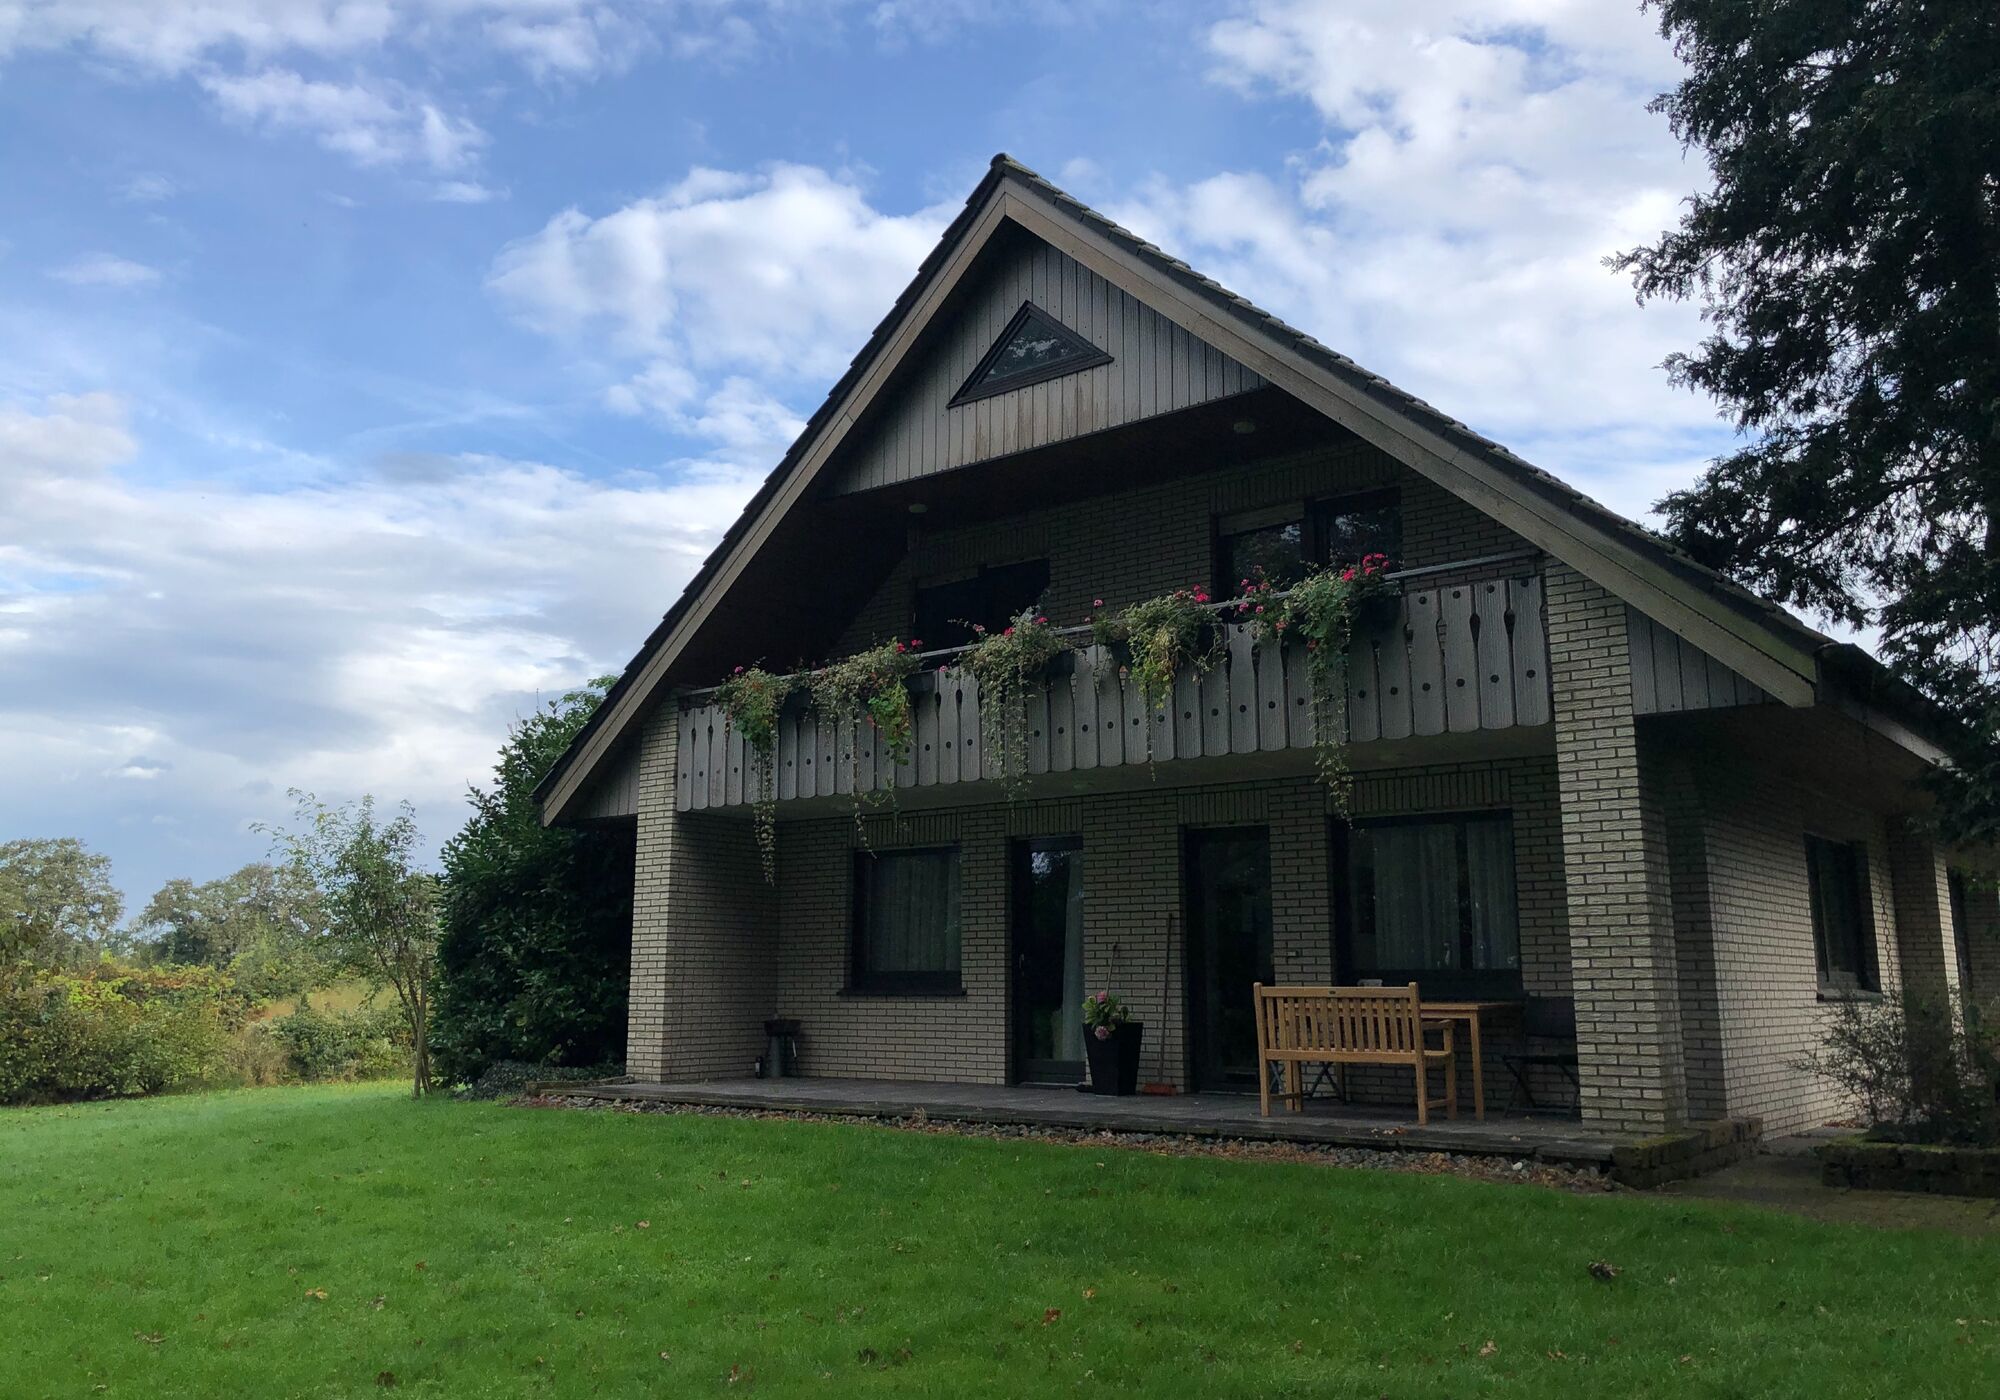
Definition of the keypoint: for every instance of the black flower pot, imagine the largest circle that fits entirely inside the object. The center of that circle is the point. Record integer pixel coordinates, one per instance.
(1114, 1061)
(1377, 613)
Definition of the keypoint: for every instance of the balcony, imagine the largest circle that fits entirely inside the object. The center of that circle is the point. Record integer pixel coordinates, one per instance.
(1466, 650)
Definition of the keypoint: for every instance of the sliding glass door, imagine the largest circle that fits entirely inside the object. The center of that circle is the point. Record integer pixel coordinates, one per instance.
(1228, 887)
(1048, 961)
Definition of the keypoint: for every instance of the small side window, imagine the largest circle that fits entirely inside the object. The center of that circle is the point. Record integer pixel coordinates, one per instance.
(1843, 929)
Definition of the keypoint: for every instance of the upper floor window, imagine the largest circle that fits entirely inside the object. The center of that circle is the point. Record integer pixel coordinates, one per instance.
(946, 612)
(1034, 347)
(906, 928)
(1285, 542)
(1432, 900)
(1843, 930)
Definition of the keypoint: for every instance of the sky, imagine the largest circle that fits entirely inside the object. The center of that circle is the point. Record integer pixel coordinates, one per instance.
(373, 370)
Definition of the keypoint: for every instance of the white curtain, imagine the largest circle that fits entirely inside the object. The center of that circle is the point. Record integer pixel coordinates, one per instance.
(913, 912)
(1416, 895)
(1489, 871)
(1069, 1024)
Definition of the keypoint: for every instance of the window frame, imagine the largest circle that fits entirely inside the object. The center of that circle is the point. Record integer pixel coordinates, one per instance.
(1438, 984)
(982, 581)
(1082, 355)
(861, 981)
(1866, 979)
(1310, 516)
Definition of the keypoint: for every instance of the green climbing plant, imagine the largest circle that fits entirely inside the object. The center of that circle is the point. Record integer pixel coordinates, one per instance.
(753, 698)
(1007, 664)
(871, 687)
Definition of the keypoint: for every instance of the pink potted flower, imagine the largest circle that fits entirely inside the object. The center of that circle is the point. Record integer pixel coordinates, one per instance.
(1112, 1045)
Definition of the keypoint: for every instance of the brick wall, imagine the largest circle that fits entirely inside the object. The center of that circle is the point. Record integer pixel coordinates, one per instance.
(1138, 544)
(1614, 825)
(1767, 999)
(1926, 943)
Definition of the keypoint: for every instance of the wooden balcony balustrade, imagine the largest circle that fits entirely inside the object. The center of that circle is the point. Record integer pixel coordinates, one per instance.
(1466, 650)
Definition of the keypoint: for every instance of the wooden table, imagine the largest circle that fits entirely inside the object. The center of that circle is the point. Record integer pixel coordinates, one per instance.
(1471, 1012)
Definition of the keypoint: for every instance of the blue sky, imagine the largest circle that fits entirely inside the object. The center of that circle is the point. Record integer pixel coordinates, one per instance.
(369, 369)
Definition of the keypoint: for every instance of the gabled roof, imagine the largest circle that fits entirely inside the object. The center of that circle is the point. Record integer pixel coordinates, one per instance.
(1756, 638)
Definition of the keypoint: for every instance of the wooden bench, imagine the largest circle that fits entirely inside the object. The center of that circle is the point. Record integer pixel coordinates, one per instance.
(1350, 1026)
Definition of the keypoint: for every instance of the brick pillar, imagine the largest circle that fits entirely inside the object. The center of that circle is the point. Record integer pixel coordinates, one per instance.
(704, 932)
(1621, 928)
(1926, 944)
(646, 1020)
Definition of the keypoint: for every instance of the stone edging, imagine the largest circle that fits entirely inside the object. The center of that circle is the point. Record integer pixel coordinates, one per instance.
(1896, 1166)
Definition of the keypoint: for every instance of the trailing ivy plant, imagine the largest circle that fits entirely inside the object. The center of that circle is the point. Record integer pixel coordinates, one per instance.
(753, 698)
(1164, 635)
(871, 685)
(1319, 612)
(1007, 664)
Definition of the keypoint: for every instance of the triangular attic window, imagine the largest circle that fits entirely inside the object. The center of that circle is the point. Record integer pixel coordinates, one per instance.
(1034, 347)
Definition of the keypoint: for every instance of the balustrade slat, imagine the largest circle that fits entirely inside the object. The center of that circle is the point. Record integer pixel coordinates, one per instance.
(1496, 655)
(1531, 652)
(1461, 660)
(1242, 661)
(1083, 752)
(1426, 665)
(1062, 723)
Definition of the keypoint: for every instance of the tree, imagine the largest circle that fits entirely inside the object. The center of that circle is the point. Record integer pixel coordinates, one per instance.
(58, 907)
(377, 911)
(1848, 254)
(255, 924)
(537, 920)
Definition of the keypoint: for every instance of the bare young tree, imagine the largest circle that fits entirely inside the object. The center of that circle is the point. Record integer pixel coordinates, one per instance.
(375, 909)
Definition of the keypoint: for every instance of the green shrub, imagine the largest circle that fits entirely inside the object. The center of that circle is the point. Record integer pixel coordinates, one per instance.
(1920, 1070)
(112, 1031)
(366, 1043)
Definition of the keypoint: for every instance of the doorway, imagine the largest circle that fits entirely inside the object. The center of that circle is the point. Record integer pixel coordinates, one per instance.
(1048, 961)
(1228, 875)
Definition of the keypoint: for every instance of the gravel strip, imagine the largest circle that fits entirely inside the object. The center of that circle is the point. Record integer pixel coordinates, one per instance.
(1579, 1180)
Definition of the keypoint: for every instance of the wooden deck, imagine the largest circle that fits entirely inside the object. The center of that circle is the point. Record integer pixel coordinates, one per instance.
(1466, 652)
(1555, 1141)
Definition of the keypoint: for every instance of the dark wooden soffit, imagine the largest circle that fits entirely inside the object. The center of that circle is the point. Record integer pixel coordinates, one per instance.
(1757, 639)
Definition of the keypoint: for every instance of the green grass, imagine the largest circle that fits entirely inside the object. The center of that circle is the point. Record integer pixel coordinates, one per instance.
(180, 1247)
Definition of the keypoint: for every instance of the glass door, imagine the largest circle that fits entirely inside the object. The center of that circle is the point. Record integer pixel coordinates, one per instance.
(1228, 874)
(1048, 961)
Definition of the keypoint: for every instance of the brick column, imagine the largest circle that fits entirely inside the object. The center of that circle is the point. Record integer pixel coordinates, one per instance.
(1982, 943)
(1926, 944)
(646, 1018)
(1621, 928)
(704, 932)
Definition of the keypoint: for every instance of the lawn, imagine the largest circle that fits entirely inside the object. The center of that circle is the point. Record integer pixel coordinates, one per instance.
(333, 1240)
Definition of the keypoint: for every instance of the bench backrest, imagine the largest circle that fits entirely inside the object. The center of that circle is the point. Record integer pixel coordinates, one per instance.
(1352, 1023)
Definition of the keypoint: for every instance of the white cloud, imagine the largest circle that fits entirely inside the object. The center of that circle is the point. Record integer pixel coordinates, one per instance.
(783, 271)
(196, 647)
(1480, 158)
(369, 124)
(465, 192)
(104, 270)
(149, 189)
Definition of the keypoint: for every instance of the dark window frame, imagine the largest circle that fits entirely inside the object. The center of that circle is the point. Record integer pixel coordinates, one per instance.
(1865, 979)
(1079, 356)
(982, 581)
(1311, 516)
(1466, 983)
(862, 981)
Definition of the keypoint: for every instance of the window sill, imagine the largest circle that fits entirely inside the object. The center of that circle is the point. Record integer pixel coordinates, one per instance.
(1853, 994)
(899, 994)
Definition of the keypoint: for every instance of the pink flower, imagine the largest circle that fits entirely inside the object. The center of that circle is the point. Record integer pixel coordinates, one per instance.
(1103, 1032)
(737, 672)
(915, 643)
(1103, 997)
(1041, 622)
(900, 648)
(1260, 610)
(1097, 602)
(1347, 575)
(1008, 632)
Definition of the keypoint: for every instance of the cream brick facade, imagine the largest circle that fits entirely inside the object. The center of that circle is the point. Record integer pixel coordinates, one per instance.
(1660, 883)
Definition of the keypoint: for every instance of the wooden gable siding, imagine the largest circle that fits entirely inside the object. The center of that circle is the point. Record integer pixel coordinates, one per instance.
(615, 791)
(1671, 674)
(1156, 367)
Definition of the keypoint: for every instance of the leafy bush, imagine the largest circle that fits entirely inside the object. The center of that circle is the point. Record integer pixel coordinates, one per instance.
(537, 920)
(1920, 1070)
(112, 1030)
(507, 1078)
(367, 1043)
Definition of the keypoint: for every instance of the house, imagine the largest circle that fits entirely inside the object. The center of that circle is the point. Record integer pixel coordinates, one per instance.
(1583, 766)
